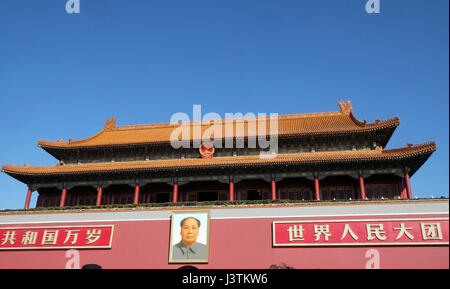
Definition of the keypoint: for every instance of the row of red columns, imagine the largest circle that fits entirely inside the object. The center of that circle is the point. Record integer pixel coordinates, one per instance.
(406, 195)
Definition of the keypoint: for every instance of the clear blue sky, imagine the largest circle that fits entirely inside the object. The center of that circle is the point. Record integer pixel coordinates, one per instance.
(62, 75)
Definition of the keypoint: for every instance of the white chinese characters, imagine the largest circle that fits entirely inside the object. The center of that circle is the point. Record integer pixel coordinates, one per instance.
(56, 237)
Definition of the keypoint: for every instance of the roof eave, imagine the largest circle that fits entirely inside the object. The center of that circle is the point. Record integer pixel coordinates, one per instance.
(422, 150)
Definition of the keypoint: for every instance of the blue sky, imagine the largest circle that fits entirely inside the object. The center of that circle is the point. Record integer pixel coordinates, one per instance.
(62, 75)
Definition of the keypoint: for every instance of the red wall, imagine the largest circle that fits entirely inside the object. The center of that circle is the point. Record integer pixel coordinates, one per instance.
(234, 243)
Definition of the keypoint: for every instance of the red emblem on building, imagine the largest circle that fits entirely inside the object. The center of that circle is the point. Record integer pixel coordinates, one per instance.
(207, 150)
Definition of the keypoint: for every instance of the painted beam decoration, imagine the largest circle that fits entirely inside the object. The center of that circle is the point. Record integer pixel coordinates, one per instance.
(361, 232)
(56, 237)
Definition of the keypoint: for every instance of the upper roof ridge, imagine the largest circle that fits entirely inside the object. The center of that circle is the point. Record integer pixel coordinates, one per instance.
(222, 120)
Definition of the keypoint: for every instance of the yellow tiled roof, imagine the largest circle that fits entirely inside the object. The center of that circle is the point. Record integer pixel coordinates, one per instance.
(342, 121)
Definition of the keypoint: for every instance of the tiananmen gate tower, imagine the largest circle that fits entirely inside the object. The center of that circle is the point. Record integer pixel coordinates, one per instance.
(331, 193)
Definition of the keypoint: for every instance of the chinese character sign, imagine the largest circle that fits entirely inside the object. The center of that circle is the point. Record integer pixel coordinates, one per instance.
(362, 232)
(57, 237)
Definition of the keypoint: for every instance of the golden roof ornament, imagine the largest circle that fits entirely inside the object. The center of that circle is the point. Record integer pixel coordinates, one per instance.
(109, 124)
(346, 107)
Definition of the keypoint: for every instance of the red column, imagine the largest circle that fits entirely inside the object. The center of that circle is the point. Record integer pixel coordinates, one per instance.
(27, 201)
(175, 193)
(231, 190)
(403, 194)
(408, 186)
(274, 190)
(136, 195)
(63, 197)
(316, 188)
(362, 188)
(99, 196)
